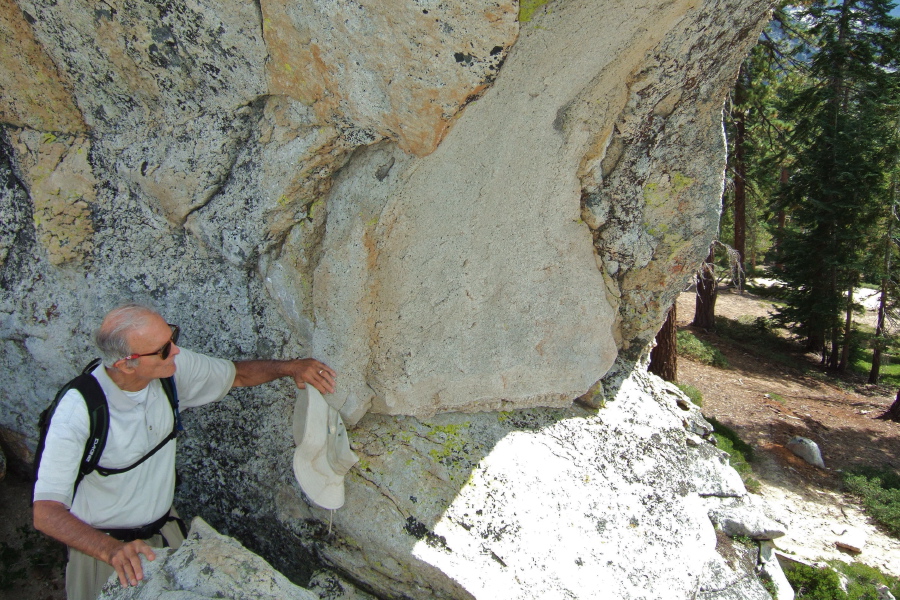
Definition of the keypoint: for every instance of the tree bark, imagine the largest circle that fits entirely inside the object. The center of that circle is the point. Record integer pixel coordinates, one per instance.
(875, 371)
(893, 413)
(664, 357)
(740, 168)
(782, 221)
(707, 290)
(848, 326)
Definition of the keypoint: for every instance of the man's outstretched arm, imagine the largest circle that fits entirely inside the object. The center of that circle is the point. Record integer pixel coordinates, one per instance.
(54, 519)
(303, 370)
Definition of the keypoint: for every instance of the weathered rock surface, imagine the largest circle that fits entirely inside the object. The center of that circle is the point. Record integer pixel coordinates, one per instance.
(496, 257)
(745, 517)
(806, 449)
(459, 211)
(530, 503)
(771, 567)
(210, 565)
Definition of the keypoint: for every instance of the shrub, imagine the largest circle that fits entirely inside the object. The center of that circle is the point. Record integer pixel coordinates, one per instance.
(824, 583)
(759, 335)
(687, 344)
(691, 392)
(815, 583)
(863, 580)
(879, 490)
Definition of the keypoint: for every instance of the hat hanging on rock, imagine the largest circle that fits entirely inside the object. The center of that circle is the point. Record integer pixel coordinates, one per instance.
(323, 455)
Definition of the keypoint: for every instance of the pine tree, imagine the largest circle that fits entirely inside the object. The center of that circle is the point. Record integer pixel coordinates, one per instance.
(842, 149)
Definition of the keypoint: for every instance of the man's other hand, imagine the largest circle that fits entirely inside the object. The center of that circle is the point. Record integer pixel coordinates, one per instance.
(126, 560)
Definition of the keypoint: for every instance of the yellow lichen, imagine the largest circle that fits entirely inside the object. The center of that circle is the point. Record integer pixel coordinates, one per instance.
(527, 8)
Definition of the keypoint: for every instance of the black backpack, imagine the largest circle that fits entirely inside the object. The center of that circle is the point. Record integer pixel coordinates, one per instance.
(98, 415)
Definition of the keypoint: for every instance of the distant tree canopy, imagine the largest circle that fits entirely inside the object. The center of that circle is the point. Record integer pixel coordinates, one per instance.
(812, 126)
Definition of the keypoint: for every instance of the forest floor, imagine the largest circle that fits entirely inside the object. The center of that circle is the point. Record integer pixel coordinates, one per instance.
(767, 400)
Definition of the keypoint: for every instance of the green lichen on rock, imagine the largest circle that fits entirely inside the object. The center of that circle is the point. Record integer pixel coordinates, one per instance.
(453, 446)
(527, 9)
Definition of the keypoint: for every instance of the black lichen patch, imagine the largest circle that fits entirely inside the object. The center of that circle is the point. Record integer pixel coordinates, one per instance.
(418, 530)
(463, 58)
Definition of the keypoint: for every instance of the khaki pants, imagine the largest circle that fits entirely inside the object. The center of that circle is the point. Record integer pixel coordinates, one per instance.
(85, 575)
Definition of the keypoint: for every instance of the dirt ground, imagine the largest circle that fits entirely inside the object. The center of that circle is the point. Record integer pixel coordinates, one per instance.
(32, 566)
(764, 401)
(767, 403)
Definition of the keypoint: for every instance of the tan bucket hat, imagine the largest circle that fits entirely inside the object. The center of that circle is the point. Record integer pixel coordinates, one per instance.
(323, 455)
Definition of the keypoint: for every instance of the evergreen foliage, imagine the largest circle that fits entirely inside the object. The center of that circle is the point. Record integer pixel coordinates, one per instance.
(840, 149)
(880, 493)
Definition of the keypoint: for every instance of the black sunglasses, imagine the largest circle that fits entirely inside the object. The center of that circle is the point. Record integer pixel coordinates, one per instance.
(166, 349)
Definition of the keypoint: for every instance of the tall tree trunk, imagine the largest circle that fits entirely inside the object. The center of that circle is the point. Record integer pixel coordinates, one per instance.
(875, 371)
(838, 102)
(848, 326)
(782, 221)
(664, 356)
(707, 290)
(739, 165)
(893, 413)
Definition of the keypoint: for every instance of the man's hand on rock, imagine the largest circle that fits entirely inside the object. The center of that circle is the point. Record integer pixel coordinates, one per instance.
(126, 560)
(312, 371)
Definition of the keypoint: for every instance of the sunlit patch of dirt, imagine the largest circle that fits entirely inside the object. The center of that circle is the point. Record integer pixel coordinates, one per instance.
(767, 401)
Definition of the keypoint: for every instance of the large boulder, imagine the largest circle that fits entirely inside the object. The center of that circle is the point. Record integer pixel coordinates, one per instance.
(469, 209)
(210, 565)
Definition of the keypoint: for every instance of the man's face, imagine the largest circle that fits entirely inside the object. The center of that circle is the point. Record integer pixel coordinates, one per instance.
(150, 339)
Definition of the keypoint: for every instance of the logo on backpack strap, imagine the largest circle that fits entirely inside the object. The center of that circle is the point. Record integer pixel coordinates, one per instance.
(93, 448)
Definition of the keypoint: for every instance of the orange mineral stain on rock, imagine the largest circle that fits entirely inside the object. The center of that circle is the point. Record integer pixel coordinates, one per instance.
(35, 94)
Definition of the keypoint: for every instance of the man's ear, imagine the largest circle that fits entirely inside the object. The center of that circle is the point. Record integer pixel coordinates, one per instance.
(121, 365)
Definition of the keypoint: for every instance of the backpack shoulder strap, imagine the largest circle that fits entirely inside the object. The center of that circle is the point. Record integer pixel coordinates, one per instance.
(98, 421)
(168, 385)
(98, 417)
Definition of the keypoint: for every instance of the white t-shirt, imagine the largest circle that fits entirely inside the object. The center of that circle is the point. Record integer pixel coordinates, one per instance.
(138, 422)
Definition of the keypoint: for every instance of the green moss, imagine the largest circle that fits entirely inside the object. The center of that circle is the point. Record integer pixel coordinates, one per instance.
(527, 9)
(691, 392)
(687, 344)
(739, 452)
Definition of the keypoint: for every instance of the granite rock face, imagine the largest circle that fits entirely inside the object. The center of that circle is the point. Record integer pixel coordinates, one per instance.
(457, 210)
(531, 503)
(468, 210)
(210, 565)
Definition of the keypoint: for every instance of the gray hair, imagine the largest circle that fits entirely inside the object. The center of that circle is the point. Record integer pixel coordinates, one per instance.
(111, 337)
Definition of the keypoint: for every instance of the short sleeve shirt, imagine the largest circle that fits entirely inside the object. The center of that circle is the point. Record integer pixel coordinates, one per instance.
(138, 422)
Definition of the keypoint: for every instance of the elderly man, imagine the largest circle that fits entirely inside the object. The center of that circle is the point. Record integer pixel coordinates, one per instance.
(100, 518)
